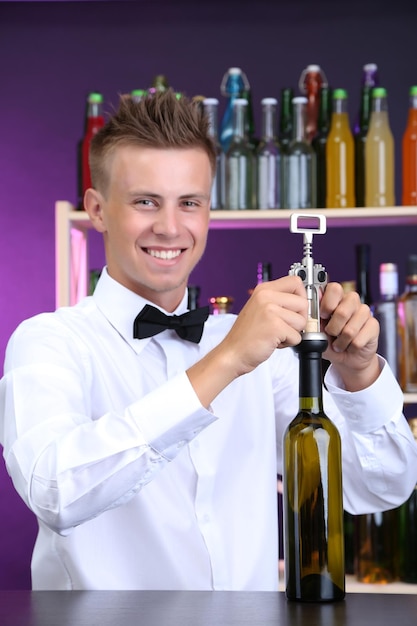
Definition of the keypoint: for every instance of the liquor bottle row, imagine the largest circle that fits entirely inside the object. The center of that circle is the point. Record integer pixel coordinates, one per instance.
(396, 314)
(310, 157)
(382, 547)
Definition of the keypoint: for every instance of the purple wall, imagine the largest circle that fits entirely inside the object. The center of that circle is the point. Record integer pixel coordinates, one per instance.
(53, 53)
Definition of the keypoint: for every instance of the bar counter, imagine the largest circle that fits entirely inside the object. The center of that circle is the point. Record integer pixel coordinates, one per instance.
(199, 608)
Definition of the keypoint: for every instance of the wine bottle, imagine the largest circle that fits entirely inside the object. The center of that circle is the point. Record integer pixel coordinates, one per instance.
(319, 144)
(313, 500)
(363, 272)
(385, 311)
(407, 329)
(285, 131)
(360, 142)
(210, 106)
(268, 160)
(408, 530)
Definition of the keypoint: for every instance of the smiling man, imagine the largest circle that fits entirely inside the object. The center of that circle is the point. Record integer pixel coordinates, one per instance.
(147, 446)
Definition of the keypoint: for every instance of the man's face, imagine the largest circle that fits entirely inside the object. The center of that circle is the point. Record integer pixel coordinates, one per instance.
(154, 219)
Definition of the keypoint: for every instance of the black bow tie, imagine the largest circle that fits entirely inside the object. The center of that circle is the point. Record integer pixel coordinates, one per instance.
(152, 321)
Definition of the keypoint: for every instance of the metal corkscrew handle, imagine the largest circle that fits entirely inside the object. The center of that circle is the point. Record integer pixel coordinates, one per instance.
(313, 275)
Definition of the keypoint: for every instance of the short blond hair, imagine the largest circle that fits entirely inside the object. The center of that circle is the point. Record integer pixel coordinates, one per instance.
(160, 120)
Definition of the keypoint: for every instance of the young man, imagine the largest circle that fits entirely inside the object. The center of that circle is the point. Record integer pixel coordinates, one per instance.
(150, 461)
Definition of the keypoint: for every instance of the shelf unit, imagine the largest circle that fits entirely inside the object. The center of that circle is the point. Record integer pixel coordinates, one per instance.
(72, 226)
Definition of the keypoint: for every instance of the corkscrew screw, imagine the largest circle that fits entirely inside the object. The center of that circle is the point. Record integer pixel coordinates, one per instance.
(313, 275)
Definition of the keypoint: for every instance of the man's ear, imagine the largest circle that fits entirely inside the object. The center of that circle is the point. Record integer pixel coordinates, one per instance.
(93, 204)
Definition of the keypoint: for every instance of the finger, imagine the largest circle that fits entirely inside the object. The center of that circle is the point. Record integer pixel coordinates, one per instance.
(332, 296)
(361, 330)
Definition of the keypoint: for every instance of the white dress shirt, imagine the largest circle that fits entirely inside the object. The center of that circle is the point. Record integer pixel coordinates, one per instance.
(135, 484)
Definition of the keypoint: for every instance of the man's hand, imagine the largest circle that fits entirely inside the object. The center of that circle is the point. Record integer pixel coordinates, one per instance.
(352, 334)
(273, 317)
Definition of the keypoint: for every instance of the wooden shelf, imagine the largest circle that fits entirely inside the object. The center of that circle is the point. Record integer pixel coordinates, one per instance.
(280, 218)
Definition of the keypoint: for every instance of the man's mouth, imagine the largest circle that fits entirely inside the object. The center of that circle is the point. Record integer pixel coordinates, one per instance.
(164, 254)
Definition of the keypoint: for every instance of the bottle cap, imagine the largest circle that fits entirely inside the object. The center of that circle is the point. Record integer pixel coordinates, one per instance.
(209, 101)
(413, 90)
(138, 93)
(388, 279)
(313, 67)
(269, 101)
(299, 100)
(95, 97)
(240, 102)
(370, 67)
(340, 94)
(379, 92)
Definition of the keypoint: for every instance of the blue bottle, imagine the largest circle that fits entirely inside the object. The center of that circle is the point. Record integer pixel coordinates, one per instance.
(233, 85)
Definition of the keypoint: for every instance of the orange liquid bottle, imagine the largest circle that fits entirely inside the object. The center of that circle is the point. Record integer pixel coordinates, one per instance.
(409, 153)
(340, 158)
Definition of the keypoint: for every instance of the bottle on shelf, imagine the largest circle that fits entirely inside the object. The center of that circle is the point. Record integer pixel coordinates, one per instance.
(408, 530)
(407, 329)
(312, 497)
(370, 79)
(239, 162)
(210, 106)
(319, 142)
(340, 182)
(250, 119)
(311, 79)
(233, 84)
(385, 311)
(379, 154)
(409, 153)
(193, 301)
(360, 142)
(377, 547)
(299, 164)
(159, 83)
(285, 132)
(268, 159)
(221, 305)
(363, 272)
(138, 94)
(93, 122)
(263, 274)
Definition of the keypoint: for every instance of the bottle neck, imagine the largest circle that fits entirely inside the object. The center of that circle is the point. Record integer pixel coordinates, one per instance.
(379, 105)
(365, 109)
(363, 273)
(310, 352)
(324, 111)
(211, 113)
(239, 121)
(299, 116)
(285, 120)
(268, 122)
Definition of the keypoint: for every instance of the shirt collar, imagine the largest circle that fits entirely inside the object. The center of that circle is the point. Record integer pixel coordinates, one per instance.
(120, 306)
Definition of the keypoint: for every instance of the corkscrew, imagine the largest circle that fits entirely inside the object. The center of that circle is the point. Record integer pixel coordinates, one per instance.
(313, 275)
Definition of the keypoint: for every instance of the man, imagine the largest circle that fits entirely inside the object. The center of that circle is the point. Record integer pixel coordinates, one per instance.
(151, 461)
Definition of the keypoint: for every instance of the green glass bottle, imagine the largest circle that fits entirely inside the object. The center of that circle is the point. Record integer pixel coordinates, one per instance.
(312, 499)
(285, 132)
(319, 144)
(359, 141)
